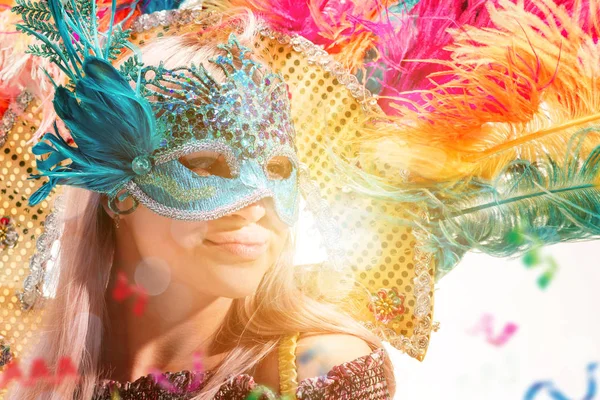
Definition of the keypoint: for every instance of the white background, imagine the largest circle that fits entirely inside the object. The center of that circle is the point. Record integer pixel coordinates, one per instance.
(558, 330)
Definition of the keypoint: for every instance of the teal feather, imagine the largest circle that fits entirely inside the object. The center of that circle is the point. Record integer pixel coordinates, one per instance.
(544, 203)
(111, 125)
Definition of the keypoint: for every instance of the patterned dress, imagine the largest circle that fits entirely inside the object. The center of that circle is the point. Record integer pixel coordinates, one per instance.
(359, 379)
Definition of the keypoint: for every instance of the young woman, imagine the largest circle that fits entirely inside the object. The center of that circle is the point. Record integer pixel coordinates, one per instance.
(188, 174)
(209, 232)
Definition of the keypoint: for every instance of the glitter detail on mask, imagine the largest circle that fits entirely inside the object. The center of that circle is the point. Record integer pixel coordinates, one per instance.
(194, 146)
(141, 165)
(175, 190)
(250, 110)
(245, 117)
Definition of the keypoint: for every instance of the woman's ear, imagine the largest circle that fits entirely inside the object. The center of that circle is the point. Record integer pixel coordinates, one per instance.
(107, 209)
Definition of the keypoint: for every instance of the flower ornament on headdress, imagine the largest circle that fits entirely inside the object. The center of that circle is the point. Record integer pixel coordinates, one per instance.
(387, 304)
(131, 139)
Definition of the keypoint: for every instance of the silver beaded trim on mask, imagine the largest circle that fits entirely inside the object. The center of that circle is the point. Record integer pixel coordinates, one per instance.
(10, 116)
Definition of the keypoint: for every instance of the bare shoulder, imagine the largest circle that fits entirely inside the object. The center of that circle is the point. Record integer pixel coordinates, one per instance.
(317, 354)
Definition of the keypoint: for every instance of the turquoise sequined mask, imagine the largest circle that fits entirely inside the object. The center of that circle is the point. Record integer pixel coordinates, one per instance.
(246, 119)
(133, 142)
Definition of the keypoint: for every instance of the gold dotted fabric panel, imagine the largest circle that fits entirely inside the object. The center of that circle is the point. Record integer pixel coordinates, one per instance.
(16, 163)
(380, 253)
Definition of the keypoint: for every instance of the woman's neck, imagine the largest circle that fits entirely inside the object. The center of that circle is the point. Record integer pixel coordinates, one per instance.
(173, 326)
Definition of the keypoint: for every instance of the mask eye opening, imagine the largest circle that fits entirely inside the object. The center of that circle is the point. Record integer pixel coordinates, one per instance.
(207, 163)
(279, 167)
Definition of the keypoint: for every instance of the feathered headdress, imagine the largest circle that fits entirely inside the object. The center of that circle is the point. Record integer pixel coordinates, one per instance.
(22, 75)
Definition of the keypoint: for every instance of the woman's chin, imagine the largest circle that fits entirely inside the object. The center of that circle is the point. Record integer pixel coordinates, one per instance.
(237, 290)
(233, 280)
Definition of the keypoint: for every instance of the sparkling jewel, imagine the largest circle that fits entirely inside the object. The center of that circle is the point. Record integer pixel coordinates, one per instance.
(8, 234)
(141, 165)
(5, 354)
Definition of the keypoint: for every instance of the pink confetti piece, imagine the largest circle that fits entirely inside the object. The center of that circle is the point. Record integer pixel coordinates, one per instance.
(486, 325)
(39, 373)
(123, 290)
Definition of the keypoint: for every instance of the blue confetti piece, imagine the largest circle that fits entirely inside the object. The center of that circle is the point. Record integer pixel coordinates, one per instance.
(538, 387)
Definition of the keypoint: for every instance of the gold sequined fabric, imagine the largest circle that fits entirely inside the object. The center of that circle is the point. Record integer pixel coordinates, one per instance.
(17, 326)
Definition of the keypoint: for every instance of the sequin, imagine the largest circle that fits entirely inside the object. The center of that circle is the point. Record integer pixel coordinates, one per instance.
(196, 112)
(5, 353)
(8, 234)
(238, 109)
(10, 115)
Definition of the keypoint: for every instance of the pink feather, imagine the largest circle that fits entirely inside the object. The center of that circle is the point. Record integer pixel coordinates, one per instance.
(413, 46)
(20, 71)
(326, 22)
(407, 41)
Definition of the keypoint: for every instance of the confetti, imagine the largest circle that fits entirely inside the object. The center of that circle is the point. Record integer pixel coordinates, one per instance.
(486, 326)
(547, 386)
(123, 290)
(39, 373)
(533, 257)
(163, 382)
(260, 390)
(314, 353)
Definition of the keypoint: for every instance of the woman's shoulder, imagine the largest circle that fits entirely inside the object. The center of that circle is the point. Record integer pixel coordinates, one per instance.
(316, 355)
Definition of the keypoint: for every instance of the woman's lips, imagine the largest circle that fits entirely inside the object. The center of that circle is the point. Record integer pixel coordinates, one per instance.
(248, 242)
(248, 251)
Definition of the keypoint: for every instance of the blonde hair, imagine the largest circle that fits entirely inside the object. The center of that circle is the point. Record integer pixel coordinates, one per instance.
(253, 326)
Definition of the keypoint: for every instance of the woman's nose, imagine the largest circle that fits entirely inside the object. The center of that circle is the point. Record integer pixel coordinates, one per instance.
(252, 213)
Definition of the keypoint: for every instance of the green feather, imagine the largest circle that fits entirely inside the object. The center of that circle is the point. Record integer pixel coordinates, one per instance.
(527, 205)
